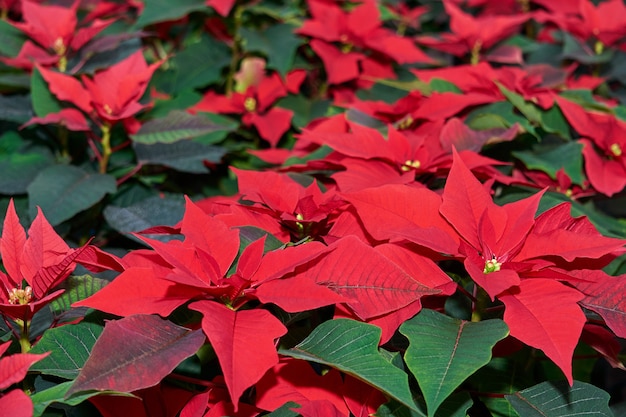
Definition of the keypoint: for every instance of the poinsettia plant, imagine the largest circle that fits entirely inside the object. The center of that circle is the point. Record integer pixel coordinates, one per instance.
(316, 208)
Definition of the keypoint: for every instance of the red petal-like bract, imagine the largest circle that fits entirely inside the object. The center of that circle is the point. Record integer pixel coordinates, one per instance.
(137, 290)
(607, 297)
(163, 400)
(297, 381)
(136, 352)
(12, 245)
(243, 342)
(16, 403)
(374, 284)
(545, 314)
(13, 368)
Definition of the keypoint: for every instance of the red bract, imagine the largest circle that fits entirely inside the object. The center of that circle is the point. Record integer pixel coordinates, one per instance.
(13, 369)
(34, 265)
(474, 35)
(356, 32)
(54, 32)
(604, 140)
(111, 95)
(503, 245)
(604, 24)
(198, 269)
(254, 102)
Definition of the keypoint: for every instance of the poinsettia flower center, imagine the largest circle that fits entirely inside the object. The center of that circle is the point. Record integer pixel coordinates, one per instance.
(107, 109)
(410, 164)
(475, 54)
(405, 123)
(492, 265)
(616, 150)
(249, 104)
(20, 296)
(59, 46)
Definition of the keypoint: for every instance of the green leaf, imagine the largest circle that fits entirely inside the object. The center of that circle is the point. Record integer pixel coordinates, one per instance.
(185, 156)
(153, 211)
(56, 395)
(502, 376)
(198, 65)
(558, 399)
(500, 114)
(76, 288)
(277, 42)
(304, 108)
(573, 49)
(553, 121)
(285, 410)
(65, 190)
(551, 158)
(528, 109)
(11, 39)
(44, 101)
(20, 163)
(70, 346)
(443, 86)
(454, 349)
(156, 11)
(15, 108)
(177, 125)
(352, 347)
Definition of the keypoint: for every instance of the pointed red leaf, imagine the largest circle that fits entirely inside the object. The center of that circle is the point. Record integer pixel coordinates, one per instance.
(545, 314)
(50, 276)
(319, 408)
(12, 245)
(97, 260)
(362, 399)
(16, 403)
(296, 380)
(137, 290)
(464, 201)
(272, 124)
(210, 235)
(243, 342)
(13, 368)
(607, 297)
(420, 223)
(557, 233)
(374, 284)
(67, 88)
(70, 118)
(43, 248)
(135, 352)
(297, 294)
(605, 343)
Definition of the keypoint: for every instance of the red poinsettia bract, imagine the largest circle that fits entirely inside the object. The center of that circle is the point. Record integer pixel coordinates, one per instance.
(13, 368)
(254, 100)
(523, 261)
(54, 32)
(34, 265)
(356, 32)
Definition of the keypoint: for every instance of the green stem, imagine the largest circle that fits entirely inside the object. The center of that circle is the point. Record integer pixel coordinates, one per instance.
(478, 307)
(106, 147)
(63, 141)
(236, 50)
(24, 339)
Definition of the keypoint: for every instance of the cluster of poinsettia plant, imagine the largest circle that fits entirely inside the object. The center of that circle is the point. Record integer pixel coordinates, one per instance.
(317, 208)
